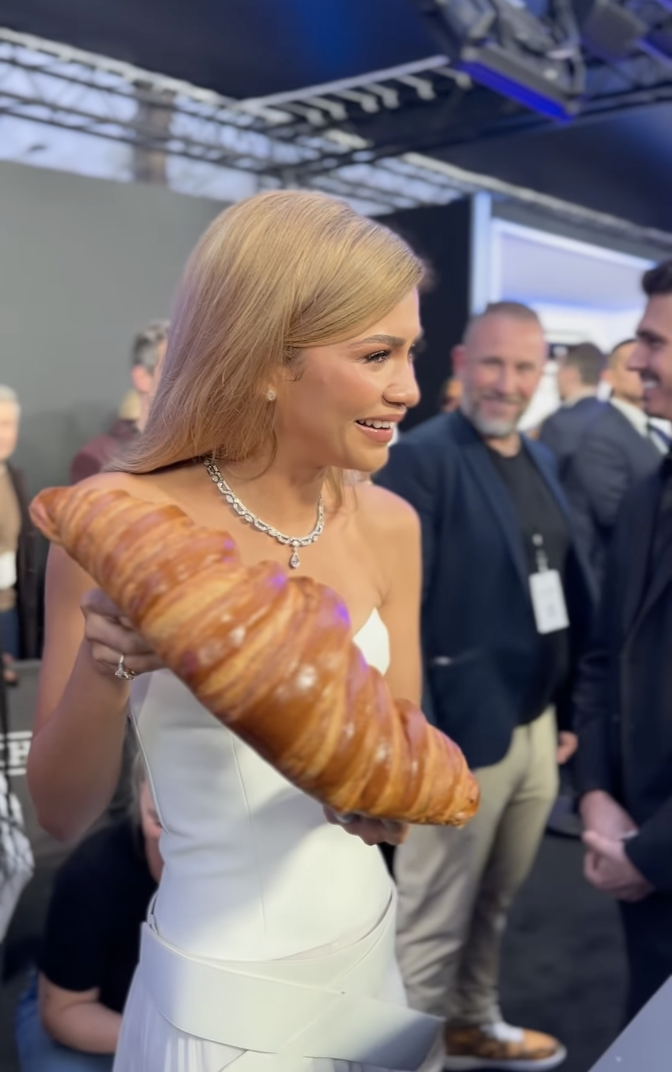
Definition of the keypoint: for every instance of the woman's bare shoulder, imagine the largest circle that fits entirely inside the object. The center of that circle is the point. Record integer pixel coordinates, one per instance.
(384, 512)
(148, 487)
(390, 527)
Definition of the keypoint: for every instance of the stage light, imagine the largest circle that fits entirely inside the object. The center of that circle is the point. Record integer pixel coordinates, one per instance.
(608, 29)
(535, 60)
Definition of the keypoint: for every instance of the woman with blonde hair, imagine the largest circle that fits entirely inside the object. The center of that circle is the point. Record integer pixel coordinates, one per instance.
(290, 361)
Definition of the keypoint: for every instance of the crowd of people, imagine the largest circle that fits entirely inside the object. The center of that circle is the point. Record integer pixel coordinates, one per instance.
(147, 354)
(530, 621)
(69, 1016)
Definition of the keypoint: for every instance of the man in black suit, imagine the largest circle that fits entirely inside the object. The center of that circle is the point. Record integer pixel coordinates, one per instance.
(617, 449)
(624, 694)
(579, 375)
(495, 530)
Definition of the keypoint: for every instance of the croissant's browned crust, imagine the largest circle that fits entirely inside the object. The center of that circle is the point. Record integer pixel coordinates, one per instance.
(270, 656)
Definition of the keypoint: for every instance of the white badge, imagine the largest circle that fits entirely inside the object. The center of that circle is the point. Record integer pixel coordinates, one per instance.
(548, 601)
(7, 569)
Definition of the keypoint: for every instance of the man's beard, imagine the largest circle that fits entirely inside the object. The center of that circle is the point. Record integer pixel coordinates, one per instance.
(489, 428)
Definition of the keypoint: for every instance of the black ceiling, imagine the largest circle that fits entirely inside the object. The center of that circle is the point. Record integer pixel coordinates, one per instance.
(619, 163)
(241, 48)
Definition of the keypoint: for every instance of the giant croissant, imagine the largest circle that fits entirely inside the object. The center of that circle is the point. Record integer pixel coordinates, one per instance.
(269, 656)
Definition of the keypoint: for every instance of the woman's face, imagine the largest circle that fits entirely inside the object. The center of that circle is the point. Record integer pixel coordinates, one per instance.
(332, 414)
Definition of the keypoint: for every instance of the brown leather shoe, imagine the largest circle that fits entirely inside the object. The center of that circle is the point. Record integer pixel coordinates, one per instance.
(500, 1046)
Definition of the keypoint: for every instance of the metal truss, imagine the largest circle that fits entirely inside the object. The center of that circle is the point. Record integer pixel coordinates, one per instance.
(63, 87)
(364, 138)
(437, 107)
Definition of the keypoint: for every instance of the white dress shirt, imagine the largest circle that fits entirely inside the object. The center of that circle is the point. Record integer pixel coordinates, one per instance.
(640, 422)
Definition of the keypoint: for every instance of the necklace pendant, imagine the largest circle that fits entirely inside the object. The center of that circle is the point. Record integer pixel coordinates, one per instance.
(293, 542)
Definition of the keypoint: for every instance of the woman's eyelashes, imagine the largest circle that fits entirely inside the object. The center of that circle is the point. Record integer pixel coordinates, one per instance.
(378, 358)
(381, 356)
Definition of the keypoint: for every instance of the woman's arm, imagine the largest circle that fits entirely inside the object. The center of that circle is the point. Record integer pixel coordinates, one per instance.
(392, 527)
(75, 755)
(78, 1020)
(400, 609)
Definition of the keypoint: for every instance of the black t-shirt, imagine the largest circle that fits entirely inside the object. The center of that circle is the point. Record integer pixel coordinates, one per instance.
(98, 905)
(538, 515)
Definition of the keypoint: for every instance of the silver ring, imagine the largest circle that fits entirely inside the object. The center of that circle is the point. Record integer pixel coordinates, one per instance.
(122, 672)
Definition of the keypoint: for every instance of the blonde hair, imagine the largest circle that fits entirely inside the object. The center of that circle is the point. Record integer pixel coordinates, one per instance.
(272, 275)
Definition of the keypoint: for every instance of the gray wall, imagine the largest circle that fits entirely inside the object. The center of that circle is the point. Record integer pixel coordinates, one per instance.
(83, 264)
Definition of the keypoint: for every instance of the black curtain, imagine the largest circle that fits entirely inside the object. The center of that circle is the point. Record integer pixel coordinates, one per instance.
(442, 235)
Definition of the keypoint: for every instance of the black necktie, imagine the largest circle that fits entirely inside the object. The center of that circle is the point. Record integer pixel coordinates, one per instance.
(663, 530)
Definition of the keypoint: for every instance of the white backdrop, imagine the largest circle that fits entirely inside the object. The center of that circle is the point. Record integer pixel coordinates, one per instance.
(582, 293)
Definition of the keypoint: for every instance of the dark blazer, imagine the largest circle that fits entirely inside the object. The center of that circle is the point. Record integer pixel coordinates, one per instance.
(563, 430)
(623, 698)
(477, 621)
(610, 458)
(26, 572)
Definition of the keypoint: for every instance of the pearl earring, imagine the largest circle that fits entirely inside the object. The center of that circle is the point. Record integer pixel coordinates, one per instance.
(270, 395)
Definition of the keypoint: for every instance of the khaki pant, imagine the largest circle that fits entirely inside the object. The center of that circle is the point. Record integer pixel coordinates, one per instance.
(456, 886)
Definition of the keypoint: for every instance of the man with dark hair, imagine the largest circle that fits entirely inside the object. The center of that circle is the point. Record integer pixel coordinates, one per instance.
(498, 654)
(147, 354)
(616, 449)
(622, 701)
(579, 374)
(580, 370)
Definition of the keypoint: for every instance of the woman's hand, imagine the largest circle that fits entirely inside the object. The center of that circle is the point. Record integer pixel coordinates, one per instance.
(371, 831)
(110, 635)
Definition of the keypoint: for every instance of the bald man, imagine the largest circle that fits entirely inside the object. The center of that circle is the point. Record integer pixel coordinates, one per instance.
(495, 531)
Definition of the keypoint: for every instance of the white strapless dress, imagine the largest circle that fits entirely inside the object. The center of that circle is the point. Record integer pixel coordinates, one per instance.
(271, 939)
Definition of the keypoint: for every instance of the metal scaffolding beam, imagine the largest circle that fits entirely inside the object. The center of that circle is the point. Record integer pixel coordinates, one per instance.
(65, 88)
(362, 138)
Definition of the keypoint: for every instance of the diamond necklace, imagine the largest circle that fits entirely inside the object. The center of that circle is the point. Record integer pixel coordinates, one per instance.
(289, 541)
